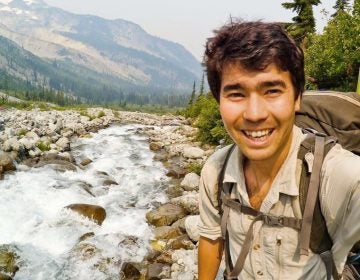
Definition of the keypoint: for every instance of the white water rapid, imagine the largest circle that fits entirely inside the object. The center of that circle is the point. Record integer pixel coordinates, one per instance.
(45, 236)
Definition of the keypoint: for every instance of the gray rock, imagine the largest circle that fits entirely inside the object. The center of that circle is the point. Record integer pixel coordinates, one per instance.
(63, 143)
(165, 215)
(193, 152)
(189, 201)
(191, 226)
(190, 182)
(157, 271)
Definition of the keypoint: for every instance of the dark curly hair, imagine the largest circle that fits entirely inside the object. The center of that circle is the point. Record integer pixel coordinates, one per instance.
(254, 45)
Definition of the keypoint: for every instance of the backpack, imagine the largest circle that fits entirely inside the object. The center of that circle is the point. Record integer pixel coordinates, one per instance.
(319, 112)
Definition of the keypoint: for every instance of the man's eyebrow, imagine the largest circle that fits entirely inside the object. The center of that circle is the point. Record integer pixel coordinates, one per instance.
(274, 83)
(230, 87)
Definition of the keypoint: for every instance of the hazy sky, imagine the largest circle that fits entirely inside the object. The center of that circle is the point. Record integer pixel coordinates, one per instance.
(188, 22)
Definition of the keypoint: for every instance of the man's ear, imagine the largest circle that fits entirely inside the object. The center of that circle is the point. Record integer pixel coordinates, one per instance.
(297, 103)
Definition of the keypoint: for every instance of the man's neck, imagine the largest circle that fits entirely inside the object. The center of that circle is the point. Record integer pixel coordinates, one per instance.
(259, 175)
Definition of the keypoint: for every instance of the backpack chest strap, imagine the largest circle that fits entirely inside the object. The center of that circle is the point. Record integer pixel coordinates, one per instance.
(231, 271)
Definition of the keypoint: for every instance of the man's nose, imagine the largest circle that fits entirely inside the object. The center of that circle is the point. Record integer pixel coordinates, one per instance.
(256, 109)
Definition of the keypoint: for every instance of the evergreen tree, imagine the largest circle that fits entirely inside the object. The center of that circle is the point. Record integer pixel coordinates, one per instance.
(304, 23)
(192, 97)
(202, 85)
(341, 5)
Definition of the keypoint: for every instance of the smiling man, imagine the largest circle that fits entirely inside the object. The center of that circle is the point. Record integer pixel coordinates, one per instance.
(256, 73)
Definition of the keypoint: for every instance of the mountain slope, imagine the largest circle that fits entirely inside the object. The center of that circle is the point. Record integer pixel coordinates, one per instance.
(114, 53)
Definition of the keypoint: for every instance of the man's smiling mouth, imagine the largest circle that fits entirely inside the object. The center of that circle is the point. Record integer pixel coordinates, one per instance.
(258, 135)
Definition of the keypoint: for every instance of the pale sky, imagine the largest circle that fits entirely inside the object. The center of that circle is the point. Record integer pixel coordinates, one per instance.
(188, 22)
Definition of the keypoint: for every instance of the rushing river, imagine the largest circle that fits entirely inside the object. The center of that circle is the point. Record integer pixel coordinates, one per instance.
(46, 236)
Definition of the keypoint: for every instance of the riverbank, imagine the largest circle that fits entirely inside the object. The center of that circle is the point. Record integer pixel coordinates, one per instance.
(35, 137)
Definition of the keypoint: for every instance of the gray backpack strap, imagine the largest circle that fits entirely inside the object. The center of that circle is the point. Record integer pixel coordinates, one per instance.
(312, 195)
(311, 199)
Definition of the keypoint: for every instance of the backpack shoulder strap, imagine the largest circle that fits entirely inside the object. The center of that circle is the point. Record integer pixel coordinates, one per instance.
(314, 233)
(221, 178)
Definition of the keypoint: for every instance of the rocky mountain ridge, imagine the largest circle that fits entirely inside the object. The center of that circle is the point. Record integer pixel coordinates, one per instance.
(118, 49)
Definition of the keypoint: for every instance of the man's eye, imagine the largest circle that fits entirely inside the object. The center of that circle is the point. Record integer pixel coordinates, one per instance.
(273, 91)
(235, 95)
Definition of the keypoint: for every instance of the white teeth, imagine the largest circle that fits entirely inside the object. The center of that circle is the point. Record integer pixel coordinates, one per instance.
(257, 134)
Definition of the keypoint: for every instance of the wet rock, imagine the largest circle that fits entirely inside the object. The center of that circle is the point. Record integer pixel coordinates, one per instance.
(129, 272)
(156, 271)
(86, 161)
(93, 212)
(59, 165)
(155, 146)
(191, 227)
(86, 236)
(6, 162)
(190, 182)
(5, 277)
(109, 182)
(165, 215)
(166, 232)
(193, 152)
(8, 260)
(86, 187)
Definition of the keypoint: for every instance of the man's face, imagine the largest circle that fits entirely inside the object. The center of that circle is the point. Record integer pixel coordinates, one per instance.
(258, 110)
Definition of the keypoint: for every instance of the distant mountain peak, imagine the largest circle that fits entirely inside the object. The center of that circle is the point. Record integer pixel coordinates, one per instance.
(27, 2)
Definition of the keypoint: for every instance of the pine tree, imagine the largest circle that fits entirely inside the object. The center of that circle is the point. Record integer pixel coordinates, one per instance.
(304, 23)
(341, 5)
(192, 97)
(202, 85)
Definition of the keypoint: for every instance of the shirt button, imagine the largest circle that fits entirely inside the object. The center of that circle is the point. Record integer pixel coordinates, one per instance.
(260, 273)
(256, 247)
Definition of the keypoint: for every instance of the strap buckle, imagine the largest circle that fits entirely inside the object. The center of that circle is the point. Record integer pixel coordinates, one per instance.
(273, 220)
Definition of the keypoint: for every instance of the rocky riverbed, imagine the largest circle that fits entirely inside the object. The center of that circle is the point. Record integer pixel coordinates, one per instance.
(37, 138)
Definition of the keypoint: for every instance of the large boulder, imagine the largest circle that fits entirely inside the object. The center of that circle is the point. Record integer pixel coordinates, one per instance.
(190, 182)
(93, 212)
(193, 152)
(165, 215)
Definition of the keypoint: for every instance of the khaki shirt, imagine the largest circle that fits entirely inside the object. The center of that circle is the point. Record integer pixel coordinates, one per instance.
(274, 253)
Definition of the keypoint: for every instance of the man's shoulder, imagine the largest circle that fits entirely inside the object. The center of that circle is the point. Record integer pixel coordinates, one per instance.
(216, 160)
(212, 167)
